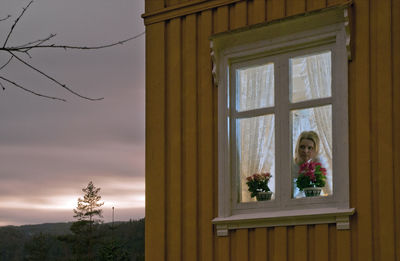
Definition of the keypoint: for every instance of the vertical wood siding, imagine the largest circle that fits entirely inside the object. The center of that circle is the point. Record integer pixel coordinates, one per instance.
(189, 131)
(155, 142)
(206, 152)
(396, 119)
(181, 139)
(174, 139)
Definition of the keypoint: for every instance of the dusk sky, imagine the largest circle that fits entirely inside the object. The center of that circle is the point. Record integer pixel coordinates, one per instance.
(50, 150)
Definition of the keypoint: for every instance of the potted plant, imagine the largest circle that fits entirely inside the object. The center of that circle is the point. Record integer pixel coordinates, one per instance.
(258, 186)
(312, 177)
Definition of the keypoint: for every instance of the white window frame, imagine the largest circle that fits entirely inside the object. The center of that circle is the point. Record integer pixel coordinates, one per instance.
(277, 42)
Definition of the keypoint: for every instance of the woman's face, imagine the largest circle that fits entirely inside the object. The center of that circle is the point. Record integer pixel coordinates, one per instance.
(306, 149)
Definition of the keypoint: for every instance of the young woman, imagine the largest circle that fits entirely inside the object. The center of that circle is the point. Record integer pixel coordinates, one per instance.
(307, 149)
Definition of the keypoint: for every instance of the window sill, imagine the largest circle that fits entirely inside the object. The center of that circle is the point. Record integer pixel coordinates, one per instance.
(285, 218)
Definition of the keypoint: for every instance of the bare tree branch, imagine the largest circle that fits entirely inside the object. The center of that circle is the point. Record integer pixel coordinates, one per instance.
(15, 23)
(30, 91)
(5, 18)
(34, 44)
(23, 48)
(53, 79)
(4, 65)
(40, 43)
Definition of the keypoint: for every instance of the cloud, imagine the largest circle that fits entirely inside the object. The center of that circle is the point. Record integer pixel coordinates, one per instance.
(45, 190)
(36, 216)
(49, 203)
(39, 163)
(50, 150)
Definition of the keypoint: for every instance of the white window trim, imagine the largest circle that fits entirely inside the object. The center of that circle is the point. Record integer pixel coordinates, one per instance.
(321, 30)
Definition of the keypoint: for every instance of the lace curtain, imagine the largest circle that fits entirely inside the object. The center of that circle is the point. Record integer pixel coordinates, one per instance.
(256, 144)
(311, 79)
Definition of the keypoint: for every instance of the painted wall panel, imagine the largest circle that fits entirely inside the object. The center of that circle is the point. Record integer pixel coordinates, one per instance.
(294, 7)
(315, 4)
(205, 139)
(223, 249)
(260, 244)
(153, 5)
(271, 243)
(360, 135)
(396, 118)
(181, 139)
(189, 139)
(382, 161)
(334, 2)
(174, 139)
(275, 9)
(239, 17)
(221, 19)
(311, 248)
(300, 243)
(258, 11)
(322, 237)
(155, 142)
(280, 244)
(343, 244)
(242, 245)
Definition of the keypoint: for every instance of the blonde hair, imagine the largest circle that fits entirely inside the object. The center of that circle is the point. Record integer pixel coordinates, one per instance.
(308, 135)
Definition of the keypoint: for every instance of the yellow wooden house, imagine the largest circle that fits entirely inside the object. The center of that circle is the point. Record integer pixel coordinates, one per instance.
(201, 55)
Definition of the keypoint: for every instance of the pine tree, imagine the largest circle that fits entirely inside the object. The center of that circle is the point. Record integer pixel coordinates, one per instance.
(89, 207)
(89, 214)
(113, 250)
(37, 248)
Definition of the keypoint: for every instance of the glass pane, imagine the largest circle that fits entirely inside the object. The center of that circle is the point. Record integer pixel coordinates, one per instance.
(255, 151)
(312, 142)
(255, 87)
(310, 77)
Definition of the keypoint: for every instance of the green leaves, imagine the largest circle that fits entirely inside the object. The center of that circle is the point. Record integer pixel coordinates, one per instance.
(258, 183)
(311, 174)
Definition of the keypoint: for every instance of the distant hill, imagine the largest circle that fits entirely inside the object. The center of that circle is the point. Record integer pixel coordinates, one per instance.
(19, 242)
(46, 228)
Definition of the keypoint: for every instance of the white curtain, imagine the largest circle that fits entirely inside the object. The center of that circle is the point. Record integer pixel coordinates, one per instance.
(256, 144)
(311, 79)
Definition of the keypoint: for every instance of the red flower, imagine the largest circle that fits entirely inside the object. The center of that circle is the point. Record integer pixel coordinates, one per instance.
(311, 174)
(266, 175)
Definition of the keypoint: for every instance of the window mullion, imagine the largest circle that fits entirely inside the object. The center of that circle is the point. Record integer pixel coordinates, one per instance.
(283, 125)
(254, 113)
(224, 144)
(233, 137)
(311, 103)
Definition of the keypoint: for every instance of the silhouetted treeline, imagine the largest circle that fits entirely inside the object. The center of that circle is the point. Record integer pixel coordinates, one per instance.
(56, 242)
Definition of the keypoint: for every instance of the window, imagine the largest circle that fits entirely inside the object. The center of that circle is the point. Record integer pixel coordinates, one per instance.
(275, 82)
